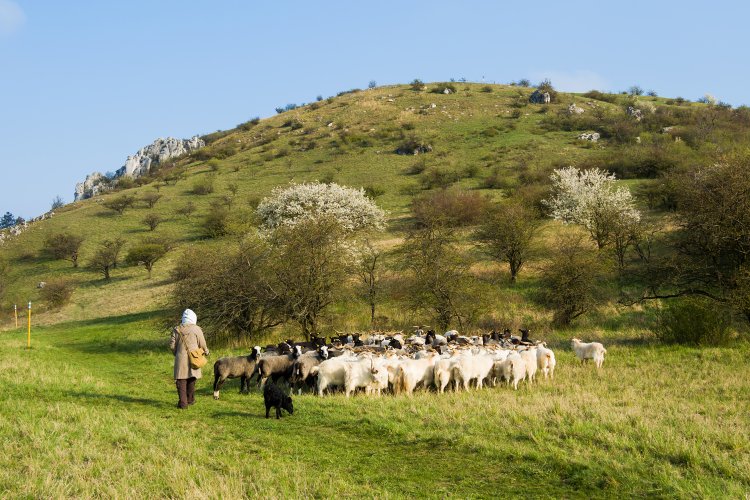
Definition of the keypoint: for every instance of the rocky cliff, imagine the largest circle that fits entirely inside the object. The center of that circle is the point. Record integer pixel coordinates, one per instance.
(139, 164)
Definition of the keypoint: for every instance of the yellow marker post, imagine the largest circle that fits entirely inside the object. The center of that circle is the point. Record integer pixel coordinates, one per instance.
(15, 313)
(28, 335)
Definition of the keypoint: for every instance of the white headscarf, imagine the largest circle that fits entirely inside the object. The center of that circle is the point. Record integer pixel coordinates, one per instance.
(189, 317)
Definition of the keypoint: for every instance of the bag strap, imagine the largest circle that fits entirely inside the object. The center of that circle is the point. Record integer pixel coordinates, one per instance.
(182, 336)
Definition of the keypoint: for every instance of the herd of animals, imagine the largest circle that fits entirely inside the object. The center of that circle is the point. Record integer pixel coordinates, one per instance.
(391, 363)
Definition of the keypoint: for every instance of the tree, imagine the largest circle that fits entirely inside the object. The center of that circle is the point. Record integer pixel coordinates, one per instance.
(438, 277)
(152, 220)
(57, 203)
(507, 233)
(105, 257)
(351, 208)
(417, 84)
(309, 265)
(231, 288)
(572, 279)
(216, 223)
(150, 199)
(147, 253)
(63, 246)
(635, 90)
(369, 264)
(120, 203)
(8, 220)
(591, 199)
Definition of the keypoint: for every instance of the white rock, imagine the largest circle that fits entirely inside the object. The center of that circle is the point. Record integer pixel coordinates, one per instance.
(589, 136)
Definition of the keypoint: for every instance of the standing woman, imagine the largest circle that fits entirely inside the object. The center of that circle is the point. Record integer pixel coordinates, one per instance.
(185, 338)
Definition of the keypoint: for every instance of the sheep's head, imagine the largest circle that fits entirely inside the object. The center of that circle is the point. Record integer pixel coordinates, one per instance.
(288, 405)
(256, 352)
(297, 352)
(575, 340)
(323, 352)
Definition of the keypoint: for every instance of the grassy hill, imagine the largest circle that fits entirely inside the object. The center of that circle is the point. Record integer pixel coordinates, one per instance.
(483, 137)
(89, 410)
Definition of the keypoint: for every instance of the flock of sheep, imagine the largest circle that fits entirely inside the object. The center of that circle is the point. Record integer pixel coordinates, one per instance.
(382, 363)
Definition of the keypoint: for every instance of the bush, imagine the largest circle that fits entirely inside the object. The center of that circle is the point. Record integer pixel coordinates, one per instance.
(417, 85)
(486, 89)
(450, 207)
(120, 203)
(152, 221)
(186, 210)
(249, 124)
(372, 84)
(412, 145)
(373, 192)
(438, 177)
(216, 223)
(693, 320)
(204, 185)
(441, 88)
(56, 293)
(213, 164)
(57, 203)
(600, 96)
(63, 246)
(150, 199)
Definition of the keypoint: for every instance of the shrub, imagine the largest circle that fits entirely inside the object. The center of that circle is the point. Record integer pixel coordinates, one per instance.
(373, 192)
(204, 185)
(120, 203)
(56, 293)
(495, 180)
(152, 221)
(412, 145)
(450, 207)
(105, 257)
(600, 96)
(147, 253)
(63, 246)
(524, 82)
(442, 87)
(57, 203)
(216, 223)
(546, 86)
(693, 320)
(150, 199)
(186, 210)
(635, 90)
(486, 89)
(213, 164)
(124, 182)
(417, 84)
(438, 177)
(249, 124)
(372, 84)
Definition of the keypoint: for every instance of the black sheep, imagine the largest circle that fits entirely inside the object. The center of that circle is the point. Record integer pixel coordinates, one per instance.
(275, 398)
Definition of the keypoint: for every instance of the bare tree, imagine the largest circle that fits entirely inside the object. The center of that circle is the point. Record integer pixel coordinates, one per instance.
(369, 264)
(105, 257)
(63, 246)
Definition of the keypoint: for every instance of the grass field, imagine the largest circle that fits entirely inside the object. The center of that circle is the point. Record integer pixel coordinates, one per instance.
(90, 411)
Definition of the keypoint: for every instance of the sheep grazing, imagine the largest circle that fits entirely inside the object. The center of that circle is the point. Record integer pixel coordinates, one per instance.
(413, 372)
(512, 369)
(529, 357)
(278, 367)
(443, 372)
(331, 372)
(273, 397)
(359, 374)
(237, 366)
(303, 365)
(546, 361)
(470, 368)
(591, 350)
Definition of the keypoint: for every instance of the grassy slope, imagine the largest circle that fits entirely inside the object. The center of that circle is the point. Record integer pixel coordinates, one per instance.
(89, 411)
(467, 128)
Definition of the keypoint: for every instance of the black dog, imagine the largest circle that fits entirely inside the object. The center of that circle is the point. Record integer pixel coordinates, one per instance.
(275, 398)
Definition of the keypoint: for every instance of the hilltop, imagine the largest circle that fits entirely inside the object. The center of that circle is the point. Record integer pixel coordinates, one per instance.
(397, 143)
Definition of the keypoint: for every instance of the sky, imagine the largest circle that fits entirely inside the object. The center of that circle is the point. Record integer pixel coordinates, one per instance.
(84, 84)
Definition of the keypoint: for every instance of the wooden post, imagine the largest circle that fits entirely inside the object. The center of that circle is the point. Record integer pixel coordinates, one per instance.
(28, 335)
(15, 313)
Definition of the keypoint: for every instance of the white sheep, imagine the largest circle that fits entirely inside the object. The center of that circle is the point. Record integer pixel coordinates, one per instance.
(590, 350)
(470, 368)
(511, 369)
(529, 358)
(546, 361)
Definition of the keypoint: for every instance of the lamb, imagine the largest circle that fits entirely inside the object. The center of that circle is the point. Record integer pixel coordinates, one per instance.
(237, 366)
(273, 397)
(546, 360)
(591, 350)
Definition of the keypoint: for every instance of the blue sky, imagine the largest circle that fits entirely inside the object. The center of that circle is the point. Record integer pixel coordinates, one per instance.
(83, 84)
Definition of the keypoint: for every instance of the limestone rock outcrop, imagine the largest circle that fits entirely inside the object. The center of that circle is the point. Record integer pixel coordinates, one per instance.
(139, 164)
(538, 97)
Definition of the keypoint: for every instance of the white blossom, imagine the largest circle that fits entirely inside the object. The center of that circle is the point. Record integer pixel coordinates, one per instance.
(349, 206)
(590, 198)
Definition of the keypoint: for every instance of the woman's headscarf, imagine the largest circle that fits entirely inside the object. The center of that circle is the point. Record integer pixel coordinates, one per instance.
(189, 317)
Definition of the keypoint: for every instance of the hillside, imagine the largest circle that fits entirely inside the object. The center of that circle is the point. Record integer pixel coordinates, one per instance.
(484, 138)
